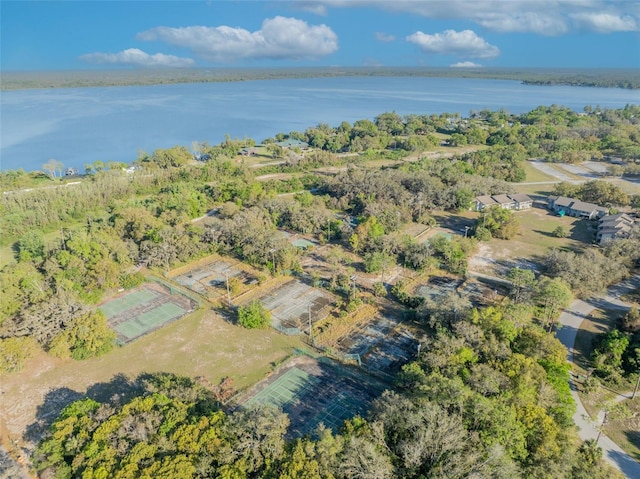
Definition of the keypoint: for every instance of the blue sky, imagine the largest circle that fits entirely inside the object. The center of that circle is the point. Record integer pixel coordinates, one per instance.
(53, 35)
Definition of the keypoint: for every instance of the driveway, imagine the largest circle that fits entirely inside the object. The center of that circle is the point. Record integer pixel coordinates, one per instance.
(571, 319)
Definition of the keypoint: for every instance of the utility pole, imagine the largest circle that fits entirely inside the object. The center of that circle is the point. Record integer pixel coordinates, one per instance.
(226, 273)
(273, 260)
(309, 316)
(328, 229)
(635, 390)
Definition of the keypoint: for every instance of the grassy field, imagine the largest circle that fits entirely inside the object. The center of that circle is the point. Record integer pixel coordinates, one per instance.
(534, 190)
(534, 240)
(534, 174)
(201, 344)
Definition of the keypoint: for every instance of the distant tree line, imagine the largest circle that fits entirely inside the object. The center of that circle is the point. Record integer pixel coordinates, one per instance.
(606, 78)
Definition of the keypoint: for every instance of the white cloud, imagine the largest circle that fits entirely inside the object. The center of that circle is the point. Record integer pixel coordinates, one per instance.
(279, 38)
(543, 17)
(465, 44)
(384, 37)
(136, 57)
(523, 22)
(603, 22)
(466, 65)
(311, 7)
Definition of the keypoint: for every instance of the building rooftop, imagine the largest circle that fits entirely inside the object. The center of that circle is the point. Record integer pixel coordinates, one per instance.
(502, 199)
(520, 197)
(486, 200)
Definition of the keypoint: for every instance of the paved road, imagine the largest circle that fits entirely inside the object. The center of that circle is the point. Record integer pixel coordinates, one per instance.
(571, 319)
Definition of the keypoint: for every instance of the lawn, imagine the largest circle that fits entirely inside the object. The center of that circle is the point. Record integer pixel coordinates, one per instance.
(201, 344)
(534, 174)
(534, 240)
(535, 189)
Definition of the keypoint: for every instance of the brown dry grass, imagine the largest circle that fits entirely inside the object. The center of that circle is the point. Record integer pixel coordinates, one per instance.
(335, 327)
(534, 240)
(201, 344)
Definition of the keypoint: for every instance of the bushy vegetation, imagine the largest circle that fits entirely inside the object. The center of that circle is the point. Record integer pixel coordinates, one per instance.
(487, 397)
(254, 315)
(597, 191)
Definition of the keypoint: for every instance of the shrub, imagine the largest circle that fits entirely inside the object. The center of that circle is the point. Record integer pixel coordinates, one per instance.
(14, 352)
(128, 281)
(560, 232)
(254, 315)
(483, 234)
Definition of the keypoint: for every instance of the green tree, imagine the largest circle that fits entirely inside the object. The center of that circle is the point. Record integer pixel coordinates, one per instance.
(377, 261)
(14, 352)
(522, 284)
(88, 336)
(254, 315)
(608, 354)
(552, 295)
(500, 222)
(31, 247)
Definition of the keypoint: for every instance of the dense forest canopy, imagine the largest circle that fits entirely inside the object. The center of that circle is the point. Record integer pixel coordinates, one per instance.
(609, 78)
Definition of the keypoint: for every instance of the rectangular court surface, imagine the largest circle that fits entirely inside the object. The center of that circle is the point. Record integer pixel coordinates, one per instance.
(128, 301)
(149, 321)
(286, 389)
(319, 395)
(138, 312)
(290, 304)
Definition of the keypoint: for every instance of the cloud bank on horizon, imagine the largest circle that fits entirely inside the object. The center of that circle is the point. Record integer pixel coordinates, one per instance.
(455, 33)
(288, 38)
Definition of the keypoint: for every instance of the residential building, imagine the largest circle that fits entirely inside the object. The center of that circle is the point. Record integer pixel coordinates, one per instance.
(517, 201)
(576, 208)
(293, 143)
(522, 201)
(505, 202)
(614, 226)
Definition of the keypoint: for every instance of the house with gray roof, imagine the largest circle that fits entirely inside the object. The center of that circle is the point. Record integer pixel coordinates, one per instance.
(576, 208)
(509, 202)
(522, 201)
(614, 226)
(504, 201)
(290, 143)
(485, 201)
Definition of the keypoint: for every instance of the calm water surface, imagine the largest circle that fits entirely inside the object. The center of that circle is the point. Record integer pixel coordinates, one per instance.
(80, 125)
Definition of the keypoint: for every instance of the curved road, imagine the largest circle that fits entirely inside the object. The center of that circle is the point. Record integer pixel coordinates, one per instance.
(571, 320)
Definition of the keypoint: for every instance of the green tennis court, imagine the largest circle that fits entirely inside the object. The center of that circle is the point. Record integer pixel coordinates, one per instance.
(336, 411)
(286, 389)
(149, 321)
(128, 301)
(145, 309)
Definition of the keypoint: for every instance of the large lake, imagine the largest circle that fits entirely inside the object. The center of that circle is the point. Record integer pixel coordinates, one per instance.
(80, 125)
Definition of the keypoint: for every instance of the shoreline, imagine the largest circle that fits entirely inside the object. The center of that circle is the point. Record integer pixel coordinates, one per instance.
(587, 78)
